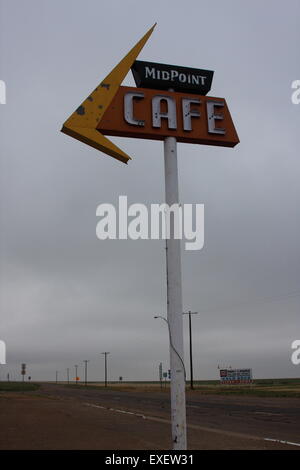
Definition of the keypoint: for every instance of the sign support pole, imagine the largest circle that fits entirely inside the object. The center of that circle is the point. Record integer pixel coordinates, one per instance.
(174, 300)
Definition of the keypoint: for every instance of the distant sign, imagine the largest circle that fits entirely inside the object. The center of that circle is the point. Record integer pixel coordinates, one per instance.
(163, 77)
(235, 376)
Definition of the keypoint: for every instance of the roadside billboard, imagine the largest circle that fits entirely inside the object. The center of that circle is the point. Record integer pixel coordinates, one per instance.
(235, 376)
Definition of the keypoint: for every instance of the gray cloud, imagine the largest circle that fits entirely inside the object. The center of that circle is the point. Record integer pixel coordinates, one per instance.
(66, 296)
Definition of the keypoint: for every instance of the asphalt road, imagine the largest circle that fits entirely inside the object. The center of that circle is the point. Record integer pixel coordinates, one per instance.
(265, 418)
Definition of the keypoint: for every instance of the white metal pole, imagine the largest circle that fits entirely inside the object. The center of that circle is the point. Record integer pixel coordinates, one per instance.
(174, 293)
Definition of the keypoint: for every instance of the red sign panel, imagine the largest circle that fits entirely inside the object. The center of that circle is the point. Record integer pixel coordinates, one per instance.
(153, 114)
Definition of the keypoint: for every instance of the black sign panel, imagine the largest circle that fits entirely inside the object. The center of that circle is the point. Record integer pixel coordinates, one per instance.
(166, 77)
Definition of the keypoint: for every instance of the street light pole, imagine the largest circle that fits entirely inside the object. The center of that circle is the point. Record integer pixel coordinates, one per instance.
(105, 355)
(85, 372)
(189, 313)
(68, 376)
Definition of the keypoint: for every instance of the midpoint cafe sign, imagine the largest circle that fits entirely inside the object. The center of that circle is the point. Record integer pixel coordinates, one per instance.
(169, 101)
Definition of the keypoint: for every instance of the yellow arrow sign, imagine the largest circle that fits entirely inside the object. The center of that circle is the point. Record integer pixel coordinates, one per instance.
(83, 122)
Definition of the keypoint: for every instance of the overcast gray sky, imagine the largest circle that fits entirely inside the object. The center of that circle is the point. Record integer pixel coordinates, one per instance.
(67, 296)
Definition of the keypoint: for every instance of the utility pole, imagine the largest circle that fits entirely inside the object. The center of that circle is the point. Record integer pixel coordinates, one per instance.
(76, 368)
(189, 313)
(68, 375)
(160, 374)
(23, 371)
(105, 355)
(85, 372)
(56, 374)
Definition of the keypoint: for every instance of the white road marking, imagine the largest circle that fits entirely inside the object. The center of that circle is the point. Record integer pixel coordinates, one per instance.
(114, 409)
(195, 426)
(282, 442)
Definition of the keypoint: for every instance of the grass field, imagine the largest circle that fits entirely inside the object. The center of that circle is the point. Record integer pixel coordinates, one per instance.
(18, 387)
(261, 388)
